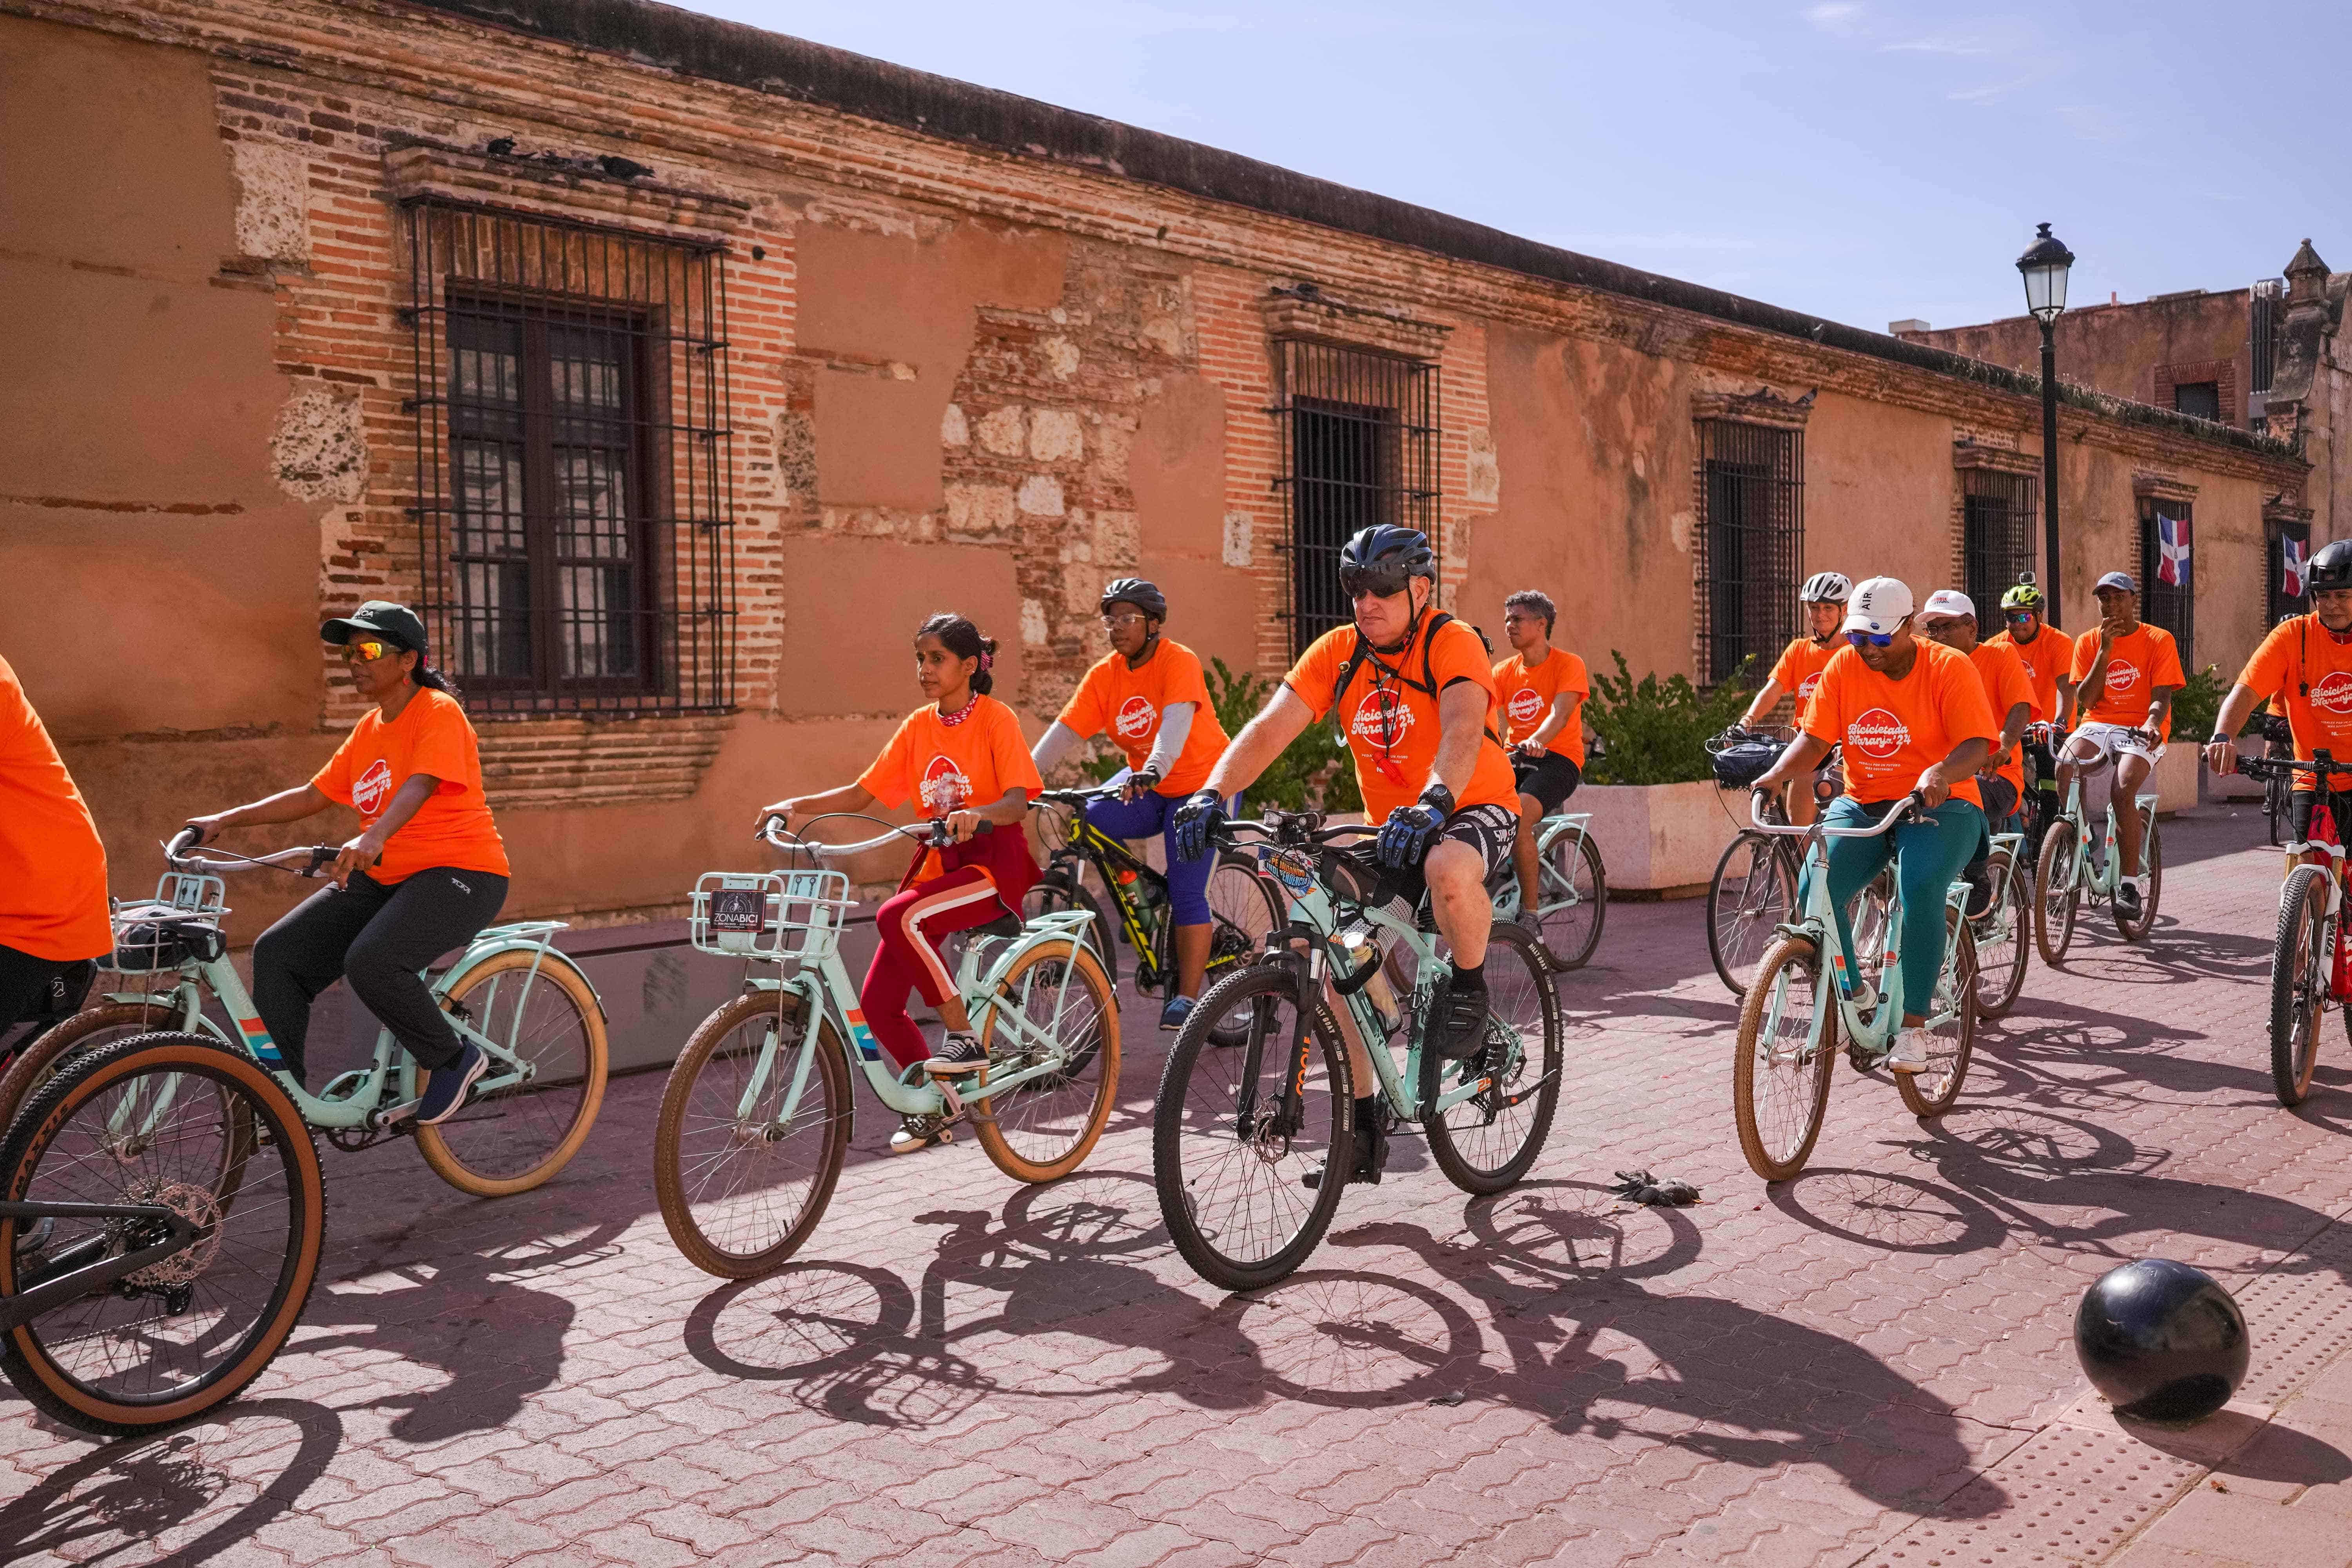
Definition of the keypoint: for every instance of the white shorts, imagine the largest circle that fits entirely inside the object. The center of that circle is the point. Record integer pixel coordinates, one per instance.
(2113, 743)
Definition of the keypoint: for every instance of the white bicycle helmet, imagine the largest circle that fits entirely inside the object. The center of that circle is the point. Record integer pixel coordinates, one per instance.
(1826, 588)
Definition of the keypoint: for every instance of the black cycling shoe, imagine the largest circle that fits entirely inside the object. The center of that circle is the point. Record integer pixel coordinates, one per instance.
(447, 1091)
(1978, 877)
(2127, 900)
(1457, 1021)
(1372, 1154)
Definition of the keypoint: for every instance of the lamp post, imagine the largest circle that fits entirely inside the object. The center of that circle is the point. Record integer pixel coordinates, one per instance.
(2044, 266)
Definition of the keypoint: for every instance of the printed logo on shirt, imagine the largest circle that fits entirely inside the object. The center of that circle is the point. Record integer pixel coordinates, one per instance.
(368, 794)
(1136, 717)
(2121, 676)
(2332, 693)
(944, 788)
(1526, 705)
(1878, 733)
(1381, 718)
(1805, 687)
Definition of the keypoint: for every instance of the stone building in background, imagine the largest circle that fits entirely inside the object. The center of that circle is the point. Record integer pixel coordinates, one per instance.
(675, 370)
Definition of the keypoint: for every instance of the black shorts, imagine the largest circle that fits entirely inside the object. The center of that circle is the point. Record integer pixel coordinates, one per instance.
(1550, 778)
(1491, 830)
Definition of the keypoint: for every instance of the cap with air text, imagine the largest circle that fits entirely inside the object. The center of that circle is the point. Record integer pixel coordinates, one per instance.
(1879, 604)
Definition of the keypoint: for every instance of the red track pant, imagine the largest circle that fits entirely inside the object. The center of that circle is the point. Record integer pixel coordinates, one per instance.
(910, 924)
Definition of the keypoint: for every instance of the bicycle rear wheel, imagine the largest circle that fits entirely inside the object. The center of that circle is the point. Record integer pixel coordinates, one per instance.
(168, 1120)
(1952, 1026)
(2057, 894)
(1570, 870)
(1242, 907)
(1752, 893)
(2299, 983)
(1231, 1149)
(1781, 1068)
(1055, 893)
(2151, 859)
(1487, 1142)
(1047, 1127)
(2003, 938)
(511, 1140)
(92, 1026)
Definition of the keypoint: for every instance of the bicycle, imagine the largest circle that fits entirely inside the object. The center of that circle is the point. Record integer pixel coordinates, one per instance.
(161, 1219)
(2001, 932)
(2067, 869)
(1235, 1126)
(1753, 891)
(1789, 1025)
(527, 1007)
(1572, 884)
(2311, 958)
(755, 1120)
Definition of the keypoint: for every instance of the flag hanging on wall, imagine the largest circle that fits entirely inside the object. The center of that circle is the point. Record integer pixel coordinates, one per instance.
(2293, 553)
(2171, 551)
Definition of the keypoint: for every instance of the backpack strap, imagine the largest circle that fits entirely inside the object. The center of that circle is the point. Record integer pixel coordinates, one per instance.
(1426, 685)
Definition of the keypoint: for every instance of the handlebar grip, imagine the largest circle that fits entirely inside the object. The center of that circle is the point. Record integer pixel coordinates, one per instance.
(181, 842)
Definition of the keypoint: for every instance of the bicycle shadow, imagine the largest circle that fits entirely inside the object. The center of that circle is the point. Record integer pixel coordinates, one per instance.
(186, 1495)
(2084, 1058)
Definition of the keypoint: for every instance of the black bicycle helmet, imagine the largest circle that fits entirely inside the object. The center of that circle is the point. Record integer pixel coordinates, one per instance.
(2330, 568)
(1145, 596)
(1388, 544)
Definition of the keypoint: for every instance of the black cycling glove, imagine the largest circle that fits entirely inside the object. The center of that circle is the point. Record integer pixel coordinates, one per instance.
(1410, 830)
(1200, 812)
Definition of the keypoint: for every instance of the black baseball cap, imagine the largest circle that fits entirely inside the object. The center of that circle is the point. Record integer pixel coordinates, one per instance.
(395, 624)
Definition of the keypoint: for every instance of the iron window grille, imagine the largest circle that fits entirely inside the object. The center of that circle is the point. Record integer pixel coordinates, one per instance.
(1999, 518)
(2277, 603)
(2162, 604)
(1358, 447)
(574, 498)
(2198, 399)
(1752, 543)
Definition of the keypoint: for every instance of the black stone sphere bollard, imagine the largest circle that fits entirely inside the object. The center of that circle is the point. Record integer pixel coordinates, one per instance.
(2161, 1341)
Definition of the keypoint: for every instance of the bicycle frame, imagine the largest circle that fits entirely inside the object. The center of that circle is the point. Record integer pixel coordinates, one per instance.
(1548, 832)
(1112, 860)
(2084, 872)
(85, 1267)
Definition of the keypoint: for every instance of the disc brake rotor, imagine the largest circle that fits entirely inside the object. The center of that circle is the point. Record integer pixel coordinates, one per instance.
(193, 1204)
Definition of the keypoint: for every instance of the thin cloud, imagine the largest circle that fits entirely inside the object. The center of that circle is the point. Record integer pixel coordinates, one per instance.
(2003, 55)
(2094, 123)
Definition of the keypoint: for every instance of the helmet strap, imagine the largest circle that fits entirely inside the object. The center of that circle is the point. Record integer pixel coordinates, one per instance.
(1144, 656)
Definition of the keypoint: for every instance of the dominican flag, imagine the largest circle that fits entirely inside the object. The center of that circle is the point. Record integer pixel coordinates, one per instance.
(2293, 553)
(2171, 551)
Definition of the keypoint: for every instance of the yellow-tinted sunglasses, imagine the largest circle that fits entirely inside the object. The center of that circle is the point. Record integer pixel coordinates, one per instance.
(367, 651)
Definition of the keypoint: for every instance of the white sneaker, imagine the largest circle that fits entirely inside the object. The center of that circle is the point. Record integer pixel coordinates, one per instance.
(1910, 1052)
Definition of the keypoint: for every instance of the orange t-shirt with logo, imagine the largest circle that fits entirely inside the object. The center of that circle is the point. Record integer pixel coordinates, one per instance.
(2136, 664)
(1799, 670)
(2049, 655)
(1127, 705)
(52, 866)
(1523, 697)
(1391, 720)
(453, 827)
(2006, 685)
(1894, 730)
(2307, 674)
(952, 767)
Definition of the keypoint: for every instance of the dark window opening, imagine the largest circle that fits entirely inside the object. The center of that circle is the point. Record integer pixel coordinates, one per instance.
(2198, 399)
(1359, 448)
(1752, 545)
(2172, 606)
(1999, 525)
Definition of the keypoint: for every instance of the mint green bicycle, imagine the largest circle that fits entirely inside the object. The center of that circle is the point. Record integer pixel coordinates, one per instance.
(755, 1122)
(1572, 890)
(2067, 870)
(523, 1002)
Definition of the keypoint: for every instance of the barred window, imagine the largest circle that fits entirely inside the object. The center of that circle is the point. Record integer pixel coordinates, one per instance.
(575, 502)
(1752, 543)
(1999, 525)
(2171, 605)
(1358, 447)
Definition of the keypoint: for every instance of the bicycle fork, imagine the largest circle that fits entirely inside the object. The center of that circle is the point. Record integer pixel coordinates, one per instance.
(1287, 1115)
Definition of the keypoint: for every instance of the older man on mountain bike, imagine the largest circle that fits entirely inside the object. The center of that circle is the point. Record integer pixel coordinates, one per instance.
(1413, 688)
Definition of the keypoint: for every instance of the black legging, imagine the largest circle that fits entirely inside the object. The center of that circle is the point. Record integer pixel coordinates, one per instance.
(42, 989)
(376, 939)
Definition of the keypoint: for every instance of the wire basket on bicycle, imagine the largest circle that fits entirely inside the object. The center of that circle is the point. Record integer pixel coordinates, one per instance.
(779, 915)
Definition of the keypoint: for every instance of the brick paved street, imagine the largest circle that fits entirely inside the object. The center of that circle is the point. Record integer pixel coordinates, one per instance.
(1871, 1366)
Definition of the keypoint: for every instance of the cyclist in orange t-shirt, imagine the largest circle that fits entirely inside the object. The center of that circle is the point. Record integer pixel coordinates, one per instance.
(2126, 673)
(1539, 694)
(54, 922)
(1799, 669)
(2304, 666)
(425, 874)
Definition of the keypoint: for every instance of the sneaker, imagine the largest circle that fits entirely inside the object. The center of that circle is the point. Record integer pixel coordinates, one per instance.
(1979, 880)
(2127, 905)
(1371, 1155)
(1457, 1021)
(1910, 1052)
(447, 1089)
(918, 1132)
(1172, 1016)
(961, 1054)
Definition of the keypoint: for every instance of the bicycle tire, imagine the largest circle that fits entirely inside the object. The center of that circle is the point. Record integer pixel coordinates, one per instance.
(1054, 893)
(2299, 984)
(1521, 992)
(2001, 979)
(1190, 1129)
(2151, 859)
(1740, 928)
(33, 1065)
(1932, 1093)
(1568, 939)
(2056, 887)
(680, 1140)
(1232, 944)
(1053, 1131)
(51, 1122)
(463, 1158)
(2274, 811)
(1791, 964)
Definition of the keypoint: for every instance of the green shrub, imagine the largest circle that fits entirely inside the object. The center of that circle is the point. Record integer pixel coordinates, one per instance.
(1313, 769)
(1653, 731)
(2196, 706)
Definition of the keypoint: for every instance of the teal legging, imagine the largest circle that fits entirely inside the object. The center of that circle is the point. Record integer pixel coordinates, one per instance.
(1929, 853)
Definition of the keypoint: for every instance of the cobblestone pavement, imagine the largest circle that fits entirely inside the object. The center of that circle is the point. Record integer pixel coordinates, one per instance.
(1870, 1364)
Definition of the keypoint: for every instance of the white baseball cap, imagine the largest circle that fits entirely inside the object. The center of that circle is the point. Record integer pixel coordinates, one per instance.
(1949, 602)
(1879, 604)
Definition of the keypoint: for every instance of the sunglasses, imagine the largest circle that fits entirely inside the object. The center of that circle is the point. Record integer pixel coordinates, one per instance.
(1379, 582)
(2023, 615)
(367, 652)
(1875, 639)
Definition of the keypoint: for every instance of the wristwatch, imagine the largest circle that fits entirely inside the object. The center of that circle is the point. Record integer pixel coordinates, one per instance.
(2219, 739)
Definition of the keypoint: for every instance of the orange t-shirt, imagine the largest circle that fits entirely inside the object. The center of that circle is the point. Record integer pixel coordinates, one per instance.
(2299, 654)
(1391, 720)
(1800, 668)
(52, 866)
(952, 767)
(453, 827)
(1523, 697)
(1128, 703)
(2049, 655)
(2137, 665)
(2006, 685)
(1894, 730)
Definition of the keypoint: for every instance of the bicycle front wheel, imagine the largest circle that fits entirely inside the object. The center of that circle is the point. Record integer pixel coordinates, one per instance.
(1047, 1127)
(513, 1139)
(1952, 1025)
(1575, 893)
(2057, 894)
(1487, 1142)
(2299, 983)
(1751, 895)
(1781, 1068)
(2003, 939)
(155, 1121)
(1238, 1132)
(753, 1131)
(2151, 859)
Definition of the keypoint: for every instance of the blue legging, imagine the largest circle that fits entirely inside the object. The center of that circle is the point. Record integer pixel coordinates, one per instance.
(1928, 855)
(1188, 881)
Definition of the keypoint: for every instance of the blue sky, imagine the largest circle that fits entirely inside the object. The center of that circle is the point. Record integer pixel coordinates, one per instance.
(1861, 160)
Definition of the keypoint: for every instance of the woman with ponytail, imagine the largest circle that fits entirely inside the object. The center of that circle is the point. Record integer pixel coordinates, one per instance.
(962, 759)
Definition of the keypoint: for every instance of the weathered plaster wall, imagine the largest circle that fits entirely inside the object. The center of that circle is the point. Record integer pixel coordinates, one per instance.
(2119, 348)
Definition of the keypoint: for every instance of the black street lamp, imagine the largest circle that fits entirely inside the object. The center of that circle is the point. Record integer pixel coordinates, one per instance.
(2044, 266)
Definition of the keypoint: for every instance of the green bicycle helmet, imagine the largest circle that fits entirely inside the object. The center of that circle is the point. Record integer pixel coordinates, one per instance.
(2024, 597)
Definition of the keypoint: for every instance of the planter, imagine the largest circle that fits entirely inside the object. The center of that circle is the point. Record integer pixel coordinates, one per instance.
(1661, 838)
(2176, 779)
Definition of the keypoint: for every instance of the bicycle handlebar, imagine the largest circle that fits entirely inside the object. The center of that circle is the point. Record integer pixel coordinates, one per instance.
(181, 855)
(2286, 767)
(1903, 810)
(774, 831)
